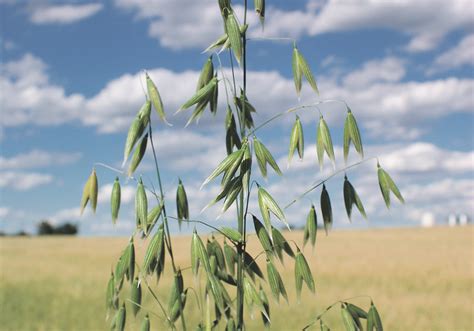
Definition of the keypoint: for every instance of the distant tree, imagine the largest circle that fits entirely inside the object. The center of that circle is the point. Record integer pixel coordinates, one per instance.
(44, 228)
(66, 229)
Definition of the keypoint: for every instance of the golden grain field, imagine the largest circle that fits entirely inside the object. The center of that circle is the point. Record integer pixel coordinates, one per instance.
(420, 279)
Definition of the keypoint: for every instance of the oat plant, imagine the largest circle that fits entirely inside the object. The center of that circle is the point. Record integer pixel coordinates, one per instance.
(224, 279)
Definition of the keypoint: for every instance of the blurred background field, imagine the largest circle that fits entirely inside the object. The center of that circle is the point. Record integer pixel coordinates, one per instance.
(420, 279)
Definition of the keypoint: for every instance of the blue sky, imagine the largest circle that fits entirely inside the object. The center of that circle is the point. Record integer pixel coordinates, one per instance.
(70, 86)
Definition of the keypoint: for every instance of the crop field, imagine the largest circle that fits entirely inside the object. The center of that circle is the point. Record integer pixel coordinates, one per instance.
(420, 279)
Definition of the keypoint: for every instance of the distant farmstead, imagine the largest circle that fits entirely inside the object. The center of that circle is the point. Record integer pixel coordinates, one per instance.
(458, 219)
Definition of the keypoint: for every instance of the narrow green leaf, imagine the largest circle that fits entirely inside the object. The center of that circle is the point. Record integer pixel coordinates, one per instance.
(326, 209)
(138, 155)
(232, 170)
(263, 236)
(141, 206)
(377, 319)
(324, 143)
(264, 156)
(121, 318)
(354, 133)
(153, 216)
(201, 253)
(153, 250)
(350, 198)
(207, 73)
(233, 31)
(214, 248)
(182, 203)
(349, 324)
(225, 165)
(232, 195)
(262, 164)
(94, 189)
(115, 200)
(303, 270)
(202, 94)
(311, 226)
(86, 192)
(373, 320)
(224, 4)
(323, 326)
(267, 203)
(214, 98)
(354, 314)
(246, 169)
(296, 140)
(266, 307)
(296, 70)
(219, 42)
(387, 184)
(346, 138)
(306, 71)
(251, 266)
(253, 297)
(230, 258)
(276, 283)
(260, 10)
(131, 261)
(110, 292)
(136, 296)
(155, 98)
(145, 324)
(357, 311)
(280, 243)
(90, 192)
(231, 233)
(134, 133)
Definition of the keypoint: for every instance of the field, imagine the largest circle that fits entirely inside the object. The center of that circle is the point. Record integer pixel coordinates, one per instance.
(420, 279)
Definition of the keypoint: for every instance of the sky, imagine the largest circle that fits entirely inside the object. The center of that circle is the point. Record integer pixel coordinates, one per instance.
(71, 81)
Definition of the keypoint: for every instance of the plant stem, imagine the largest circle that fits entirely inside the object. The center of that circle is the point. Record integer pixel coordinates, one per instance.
(321, 182)
(165, 221)
(315, 104)
(241, 217)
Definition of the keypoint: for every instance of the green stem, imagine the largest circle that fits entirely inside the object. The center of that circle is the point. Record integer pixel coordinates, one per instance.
(203, 223)
(319, 183)
(241, 217)
(165, 221)
(331, 306)
(312, 105)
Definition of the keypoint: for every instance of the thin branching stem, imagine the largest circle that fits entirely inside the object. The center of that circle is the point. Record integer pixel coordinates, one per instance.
(203, 223)
(120, 172)
(332, 305)
(290, 110)
(321, 182)
(272, 39)
(165, 221)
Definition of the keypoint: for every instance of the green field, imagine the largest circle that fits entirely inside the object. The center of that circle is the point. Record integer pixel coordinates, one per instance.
(420, 279)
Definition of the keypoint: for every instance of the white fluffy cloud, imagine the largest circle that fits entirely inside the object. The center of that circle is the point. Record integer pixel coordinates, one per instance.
(4, 211)
(23, 181)
(176, 24)
(63, 14)
(377, 97)
(38, 158)
(390, 69)
(460, 55)
(42, 103)
(127, 194)
(426, 22)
